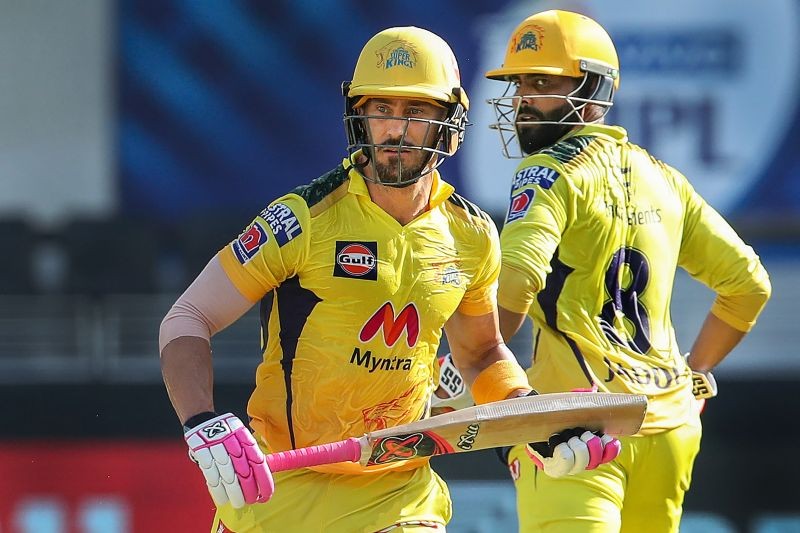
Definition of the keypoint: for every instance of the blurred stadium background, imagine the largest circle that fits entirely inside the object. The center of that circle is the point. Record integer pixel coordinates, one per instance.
(138, 137)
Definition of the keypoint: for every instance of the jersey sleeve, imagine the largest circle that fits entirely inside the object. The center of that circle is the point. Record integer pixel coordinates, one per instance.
(271, 249)
(538, 212)
(481, 296)
(714, 254)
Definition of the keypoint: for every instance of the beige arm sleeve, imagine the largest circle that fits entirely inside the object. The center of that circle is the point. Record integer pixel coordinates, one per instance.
(210, 304)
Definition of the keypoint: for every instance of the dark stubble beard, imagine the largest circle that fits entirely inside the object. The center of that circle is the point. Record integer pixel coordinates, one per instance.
(533, 138)
(392, 173)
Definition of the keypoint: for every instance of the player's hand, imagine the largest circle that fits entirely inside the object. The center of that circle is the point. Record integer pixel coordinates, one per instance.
(235, 469)
(452, 392)
(573, 450)
(704, 385)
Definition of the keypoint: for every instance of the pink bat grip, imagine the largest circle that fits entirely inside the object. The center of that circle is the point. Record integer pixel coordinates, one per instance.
(335, 452)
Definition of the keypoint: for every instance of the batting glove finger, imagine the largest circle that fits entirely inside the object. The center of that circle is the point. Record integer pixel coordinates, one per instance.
(611, 448)
(572, 451)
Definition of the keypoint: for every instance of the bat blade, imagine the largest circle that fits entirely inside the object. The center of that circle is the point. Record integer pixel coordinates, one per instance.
(506, 423)
(503, 423)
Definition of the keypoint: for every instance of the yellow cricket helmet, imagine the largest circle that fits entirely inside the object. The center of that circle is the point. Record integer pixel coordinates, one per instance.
(557, 43)
(407, 62)
(560, 43)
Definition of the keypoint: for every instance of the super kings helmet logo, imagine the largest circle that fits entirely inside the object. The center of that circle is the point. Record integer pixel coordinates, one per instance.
(393, 326)
(396, 54)
(529, 40)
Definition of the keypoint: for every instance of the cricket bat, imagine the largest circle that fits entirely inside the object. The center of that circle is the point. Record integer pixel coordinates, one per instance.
(503, 423)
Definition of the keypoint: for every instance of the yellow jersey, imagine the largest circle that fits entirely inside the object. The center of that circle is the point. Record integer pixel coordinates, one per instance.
(595, 230)
(350, 339)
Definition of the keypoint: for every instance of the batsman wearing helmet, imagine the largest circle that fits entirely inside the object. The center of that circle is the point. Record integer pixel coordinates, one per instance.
(594, 232)
(357, 273)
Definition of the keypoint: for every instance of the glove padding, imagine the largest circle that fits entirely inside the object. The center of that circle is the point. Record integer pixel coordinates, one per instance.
(704, 385)
(452, 393)
(573, 450)
(235, 469)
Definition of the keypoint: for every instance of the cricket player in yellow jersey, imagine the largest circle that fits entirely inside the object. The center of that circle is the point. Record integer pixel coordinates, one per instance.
(357, 272)
(595, 230)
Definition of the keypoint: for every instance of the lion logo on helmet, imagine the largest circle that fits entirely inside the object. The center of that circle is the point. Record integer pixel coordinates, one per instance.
(396, 54)
(531, 39)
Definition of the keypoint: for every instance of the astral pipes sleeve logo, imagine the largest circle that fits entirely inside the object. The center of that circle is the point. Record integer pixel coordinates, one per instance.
(393, 326)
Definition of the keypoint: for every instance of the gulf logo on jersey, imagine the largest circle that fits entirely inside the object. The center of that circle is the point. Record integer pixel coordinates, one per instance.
(520, 203)
(249, 242)
(393, 326)
(356, 260)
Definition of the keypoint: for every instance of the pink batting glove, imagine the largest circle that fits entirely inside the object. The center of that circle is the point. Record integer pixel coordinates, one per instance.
(235, 469)
(607, 449)
(574, 450)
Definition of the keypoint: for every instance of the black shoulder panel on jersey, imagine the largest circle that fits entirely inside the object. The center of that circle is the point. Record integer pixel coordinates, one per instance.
(467, 206)
(568, 149)
(322, 186)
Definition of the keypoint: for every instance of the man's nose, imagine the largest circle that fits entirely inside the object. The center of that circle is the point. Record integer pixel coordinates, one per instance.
(523, 100)
(395, 127)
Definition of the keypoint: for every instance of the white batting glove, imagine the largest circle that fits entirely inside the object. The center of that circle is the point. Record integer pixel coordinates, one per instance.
(452, 393)
(704, 385)
(574, 450)
(235, 469)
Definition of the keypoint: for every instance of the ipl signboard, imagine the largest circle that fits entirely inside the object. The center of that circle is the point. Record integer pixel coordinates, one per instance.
(709, 87)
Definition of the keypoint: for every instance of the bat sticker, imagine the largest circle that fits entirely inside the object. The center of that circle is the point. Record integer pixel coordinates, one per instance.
(467, 439)
(404, 447)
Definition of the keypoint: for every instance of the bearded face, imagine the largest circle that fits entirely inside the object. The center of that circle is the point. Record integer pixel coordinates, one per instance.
(396, 165)
(535, 137)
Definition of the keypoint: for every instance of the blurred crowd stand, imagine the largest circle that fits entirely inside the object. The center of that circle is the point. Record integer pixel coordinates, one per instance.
(84, 301)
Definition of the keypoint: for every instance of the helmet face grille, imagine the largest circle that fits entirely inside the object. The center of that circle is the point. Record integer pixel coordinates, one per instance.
(507, 107)
(412, 63)
(448, 135)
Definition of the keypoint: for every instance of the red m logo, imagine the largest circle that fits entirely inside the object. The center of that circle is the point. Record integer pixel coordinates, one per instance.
(393, 327)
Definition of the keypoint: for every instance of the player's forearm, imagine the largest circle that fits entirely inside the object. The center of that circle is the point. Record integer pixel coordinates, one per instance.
(188, 375)
(715, 340)
(510, 322)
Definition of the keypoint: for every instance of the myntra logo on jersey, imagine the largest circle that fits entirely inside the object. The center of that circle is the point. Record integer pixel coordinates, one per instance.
(520, 203)
(393, 326)
(356, 259)
(249, 242)
(544, 177)
(283, 223)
